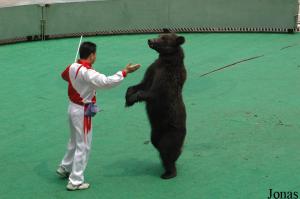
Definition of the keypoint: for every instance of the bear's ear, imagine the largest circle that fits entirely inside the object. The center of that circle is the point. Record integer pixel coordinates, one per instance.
(180, 40)
(166, 30)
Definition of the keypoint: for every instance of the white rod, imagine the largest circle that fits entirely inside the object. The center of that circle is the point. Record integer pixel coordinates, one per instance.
(78, 49)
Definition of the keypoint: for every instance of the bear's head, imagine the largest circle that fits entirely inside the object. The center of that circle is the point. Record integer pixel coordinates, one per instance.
(167, 43)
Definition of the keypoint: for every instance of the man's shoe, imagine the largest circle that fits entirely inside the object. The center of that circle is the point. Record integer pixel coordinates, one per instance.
(71, 187)
(62, 172)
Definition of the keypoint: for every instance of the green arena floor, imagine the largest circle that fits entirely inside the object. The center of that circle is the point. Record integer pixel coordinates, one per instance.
(243, 121)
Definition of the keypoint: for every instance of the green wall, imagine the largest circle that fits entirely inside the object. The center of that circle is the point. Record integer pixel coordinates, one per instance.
(146, 15)
(19, 21)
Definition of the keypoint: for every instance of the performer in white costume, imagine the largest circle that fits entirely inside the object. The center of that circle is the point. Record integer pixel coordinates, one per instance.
(83, 81)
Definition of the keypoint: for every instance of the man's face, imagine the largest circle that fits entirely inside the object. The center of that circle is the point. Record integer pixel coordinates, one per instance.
(93, 58)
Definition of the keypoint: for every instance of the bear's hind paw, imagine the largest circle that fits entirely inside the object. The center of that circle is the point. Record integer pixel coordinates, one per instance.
(168, 175)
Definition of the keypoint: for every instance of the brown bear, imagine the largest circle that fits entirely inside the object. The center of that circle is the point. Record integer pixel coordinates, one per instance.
(161, 89)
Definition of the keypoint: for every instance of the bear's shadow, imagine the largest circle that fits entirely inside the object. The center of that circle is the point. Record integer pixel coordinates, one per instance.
(133, 167)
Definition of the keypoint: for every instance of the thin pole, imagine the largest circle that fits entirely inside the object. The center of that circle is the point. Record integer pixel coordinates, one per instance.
(78, 49)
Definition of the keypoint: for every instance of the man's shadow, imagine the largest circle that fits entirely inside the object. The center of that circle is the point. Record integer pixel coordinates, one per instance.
(44, 172)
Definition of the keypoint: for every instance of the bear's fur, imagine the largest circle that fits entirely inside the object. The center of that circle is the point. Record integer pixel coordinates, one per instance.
(161, 89)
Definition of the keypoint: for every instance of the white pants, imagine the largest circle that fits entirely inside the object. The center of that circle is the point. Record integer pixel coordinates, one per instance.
(76, 157)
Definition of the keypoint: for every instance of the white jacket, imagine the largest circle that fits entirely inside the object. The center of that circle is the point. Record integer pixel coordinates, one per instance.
(84, 80)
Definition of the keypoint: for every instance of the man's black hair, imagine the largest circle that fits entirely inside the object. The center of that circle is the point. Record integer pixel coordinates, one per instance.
(86, 48)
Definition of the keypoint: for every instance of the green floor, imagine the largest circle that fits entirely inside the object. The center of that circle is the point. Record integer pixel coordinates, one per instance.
(243, 121)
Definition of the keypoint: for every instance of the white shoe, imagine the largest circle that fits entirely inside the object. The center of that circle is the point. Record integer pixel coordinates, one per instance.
(71, 187)
(62, 172)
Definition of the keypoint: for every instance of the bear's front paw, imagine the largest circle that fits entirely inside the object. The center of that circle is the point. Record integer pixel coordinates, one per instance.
(130, 100)
(130, 91)
(128, 104)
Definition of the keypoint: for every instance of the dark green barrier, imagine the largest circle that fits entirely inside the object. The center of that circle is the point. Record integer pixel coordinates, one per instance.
(134, 16)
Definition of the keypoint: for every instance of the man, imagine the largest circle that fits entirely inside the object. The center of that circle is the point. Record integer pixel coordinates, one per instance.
(83, 81)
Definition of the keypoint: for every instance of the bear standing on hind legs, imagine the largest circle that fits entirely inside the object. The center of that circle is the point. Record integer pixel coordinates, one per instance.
(161, 89)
